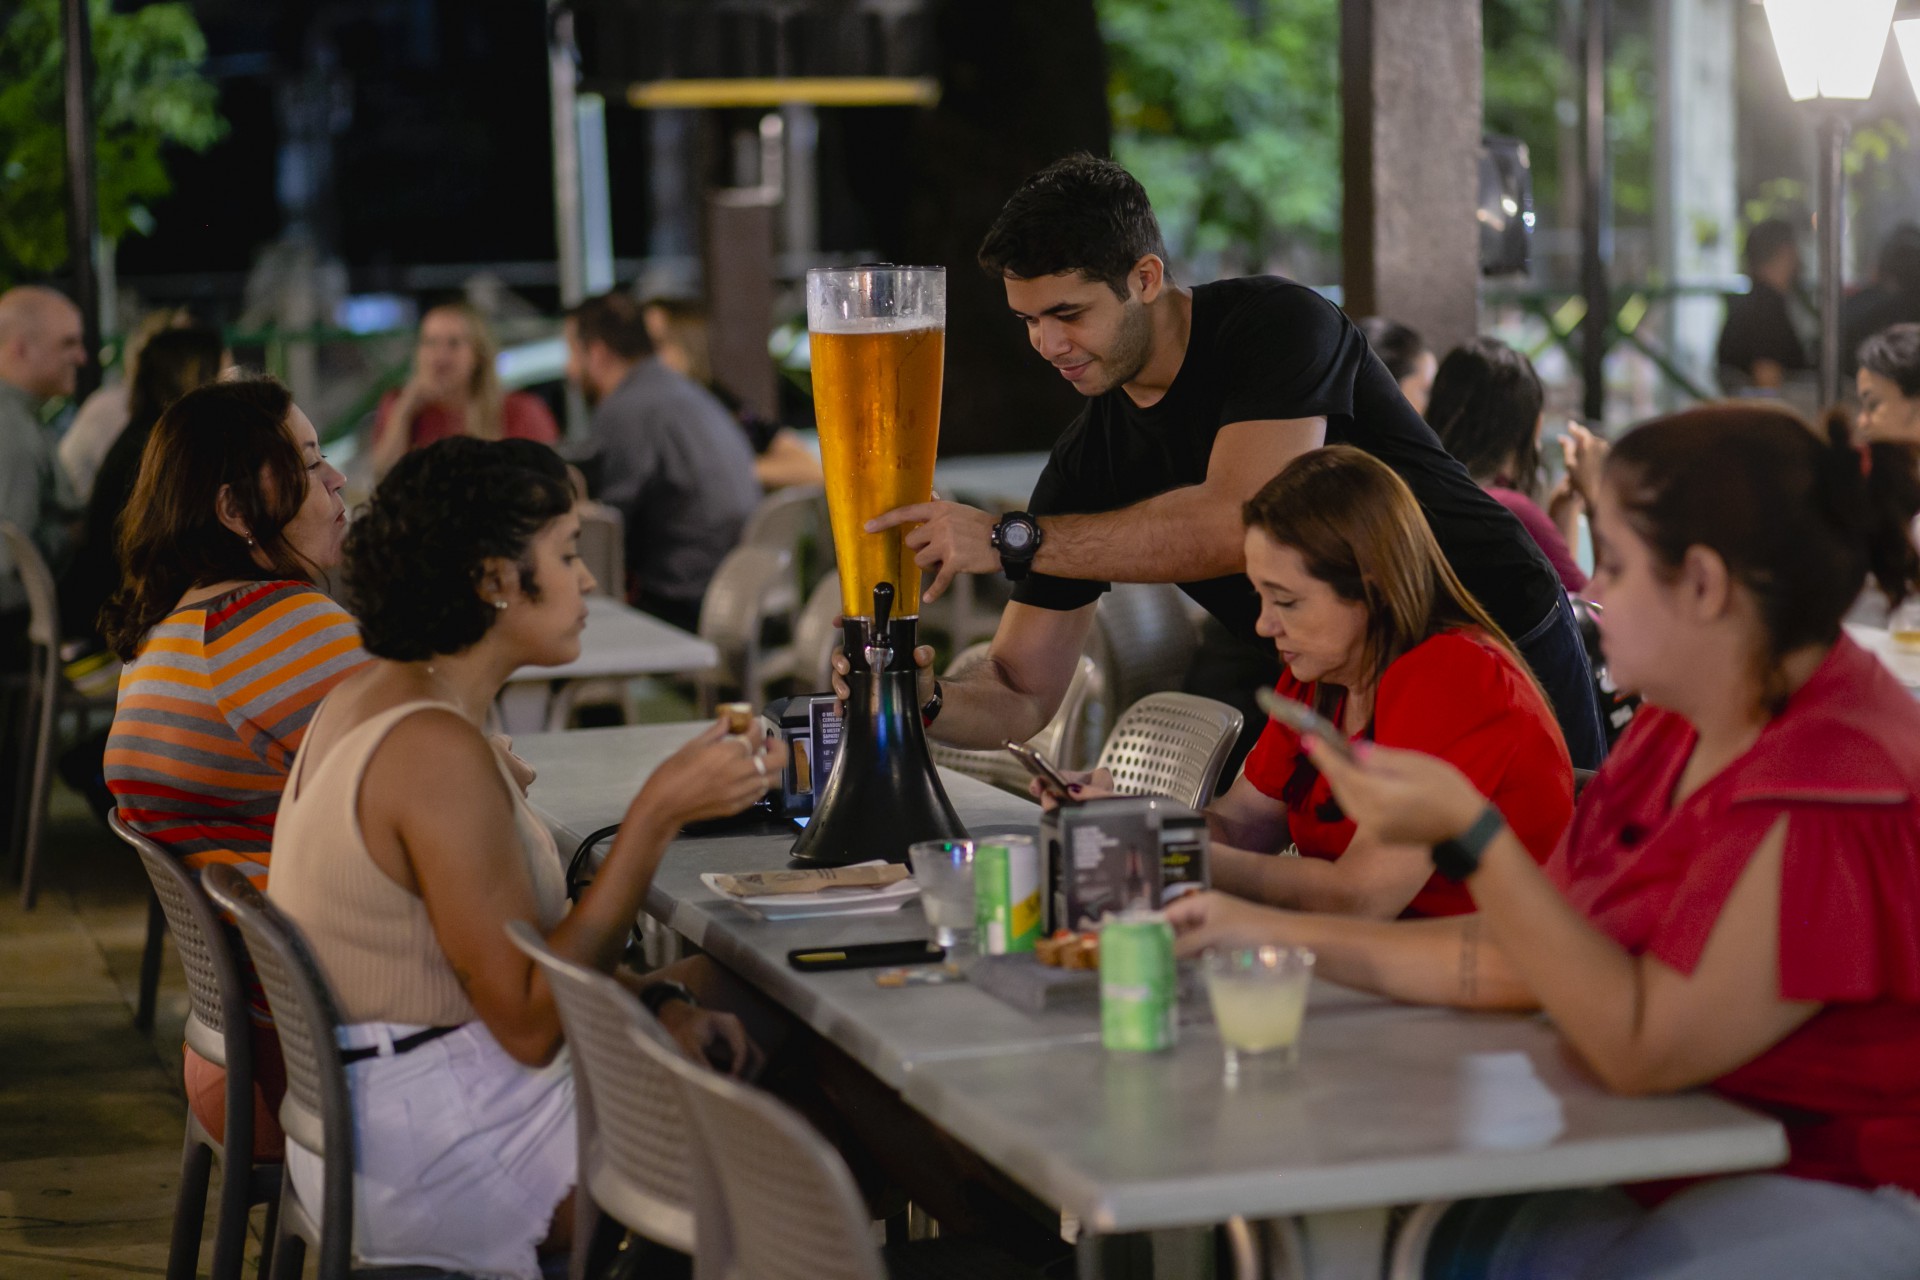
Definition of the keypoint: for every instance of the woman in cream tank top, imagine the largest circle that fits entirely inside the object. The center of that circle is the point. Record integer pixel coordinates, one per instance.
(405, 845)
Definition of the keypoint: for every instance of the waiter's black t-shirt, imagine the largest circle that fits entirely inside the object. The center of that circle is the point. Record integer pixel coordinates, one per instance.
(1267, 348)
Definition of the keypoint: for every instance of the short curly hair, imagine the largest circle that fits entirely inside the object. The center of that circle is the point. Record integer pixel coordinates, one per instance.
(417, 552)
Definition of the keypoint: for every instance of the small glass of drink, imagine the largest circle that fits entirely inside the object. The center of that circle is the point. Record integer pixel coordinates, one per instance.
(944, 869)
(1259, 998)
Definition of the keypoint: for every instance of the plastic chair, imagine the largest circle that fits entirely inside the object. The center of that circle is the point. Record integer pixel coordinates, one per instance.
(219, 1029)
(603, 546)
(752, 585)
(794, 520)
(634, 1137)
(774, 1201)
(47, 694)
(1172, 744)
(1144, 640)
(1059, 741)
(816, 639)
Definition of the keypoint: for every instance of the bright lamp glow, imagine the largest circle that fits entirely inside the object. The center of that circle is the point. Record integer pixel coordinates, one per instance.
(1908, 33)
(1829, 48)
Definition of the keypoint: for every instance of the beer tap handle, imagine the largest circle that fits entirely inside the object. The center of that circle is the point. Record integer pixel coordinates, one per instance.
(880, 652)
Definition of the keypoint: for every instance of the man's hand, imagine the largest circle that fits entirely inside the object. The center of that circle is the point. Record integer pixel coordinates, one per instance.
(950, 537)
(716, 1039)
(922, 659)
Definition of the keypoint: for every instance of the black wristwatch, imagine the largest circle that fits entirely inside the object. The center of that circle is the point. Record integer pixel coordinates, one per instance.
(1017, 538)
(1458, 858)
(655, 995)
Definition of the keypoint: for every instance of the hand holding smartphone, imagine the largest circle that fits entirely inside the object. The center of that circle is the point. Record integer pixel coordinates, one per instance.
(1306, 722)
(1042, 768)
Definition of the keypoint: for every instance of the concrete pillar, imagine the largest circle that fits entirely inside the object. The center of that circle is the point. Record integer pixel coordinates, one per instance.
(1696, 199)
(740, 295)
(1410, 91)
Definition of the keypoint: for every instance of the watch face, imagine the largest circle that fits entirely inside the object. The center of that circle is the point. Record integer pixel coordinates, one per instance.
(1016, 536)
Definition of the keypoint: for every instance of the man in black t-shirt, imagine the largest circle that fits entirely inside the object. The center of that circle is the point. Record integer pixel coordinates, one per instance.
(1195, 399)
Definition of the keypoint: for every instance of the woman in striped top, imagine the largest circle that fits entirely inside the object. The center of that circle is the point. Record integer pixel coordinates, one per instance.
(229, 646)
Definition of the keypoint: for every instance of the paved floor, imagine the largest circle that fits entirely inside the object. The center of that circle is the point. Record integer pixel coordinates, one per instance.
(91, 1113)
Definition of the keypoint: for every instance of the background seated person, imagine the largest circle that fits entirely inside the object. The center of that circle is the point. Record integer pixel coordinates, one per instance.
(678, 327)
(228, 647)
(1759, 345)
(666, 454)
(454, 390)
(1734, 904)
(404, 848)
(1379, 636)
(1487, 408)
(1406, 355)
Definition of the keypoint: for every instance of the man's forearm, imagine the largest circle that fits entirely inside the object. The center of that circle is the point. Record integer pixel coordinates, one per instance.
(1183, 535)
(981, 709)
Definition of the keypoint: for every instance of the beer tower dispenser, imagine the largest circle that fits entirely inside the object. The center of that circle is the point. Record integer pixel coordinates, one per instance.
(878, 338)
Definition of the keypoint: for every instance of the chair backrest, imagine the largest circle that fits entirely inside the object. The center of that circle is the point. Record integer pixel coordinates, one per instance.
(43, 608)
(739, 599)
(775, 1201)
(816, 639)
(1172, 744)
(603, 546)
(317, 1113)
(635, 1149)
(1144, 640)
(217, 1019)
(1059, 741)
(787, 517)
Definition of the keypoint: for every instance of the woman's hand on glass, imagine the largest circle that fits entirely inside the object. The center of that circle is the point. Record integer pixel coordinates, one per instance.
(715, 775)
(1086, 784)
(1402, 797)
(1202, 921)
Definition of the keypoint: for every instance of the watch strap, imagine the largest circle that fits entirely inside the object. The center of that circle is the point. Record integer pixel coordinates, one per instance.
(1458, 858)
(930, 709)
(657, 994)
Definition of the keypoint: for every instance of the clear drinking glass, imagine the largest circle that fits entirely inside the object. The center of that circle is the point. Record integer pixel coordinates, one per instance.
(1903, 625)
(1259, 998)
(944, 869)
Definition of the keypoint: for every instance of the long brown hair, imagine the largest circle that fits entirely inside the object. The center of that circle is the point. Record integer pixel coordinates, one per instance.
(486, 402)
(234, 435)
(1361, 532)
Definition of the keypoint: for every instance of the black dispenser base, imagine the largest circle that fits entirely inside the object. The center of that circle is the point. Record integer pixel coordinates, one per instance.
(884, 793)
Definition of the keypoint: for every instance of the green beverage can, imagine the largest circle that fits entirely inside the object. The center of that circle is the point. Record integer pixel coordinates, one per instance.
(1006, 895)
(1138, 999)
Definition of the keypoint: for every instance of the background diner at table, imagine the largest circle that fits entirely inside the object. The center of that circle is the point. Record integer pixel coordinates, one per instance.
(1734, 903)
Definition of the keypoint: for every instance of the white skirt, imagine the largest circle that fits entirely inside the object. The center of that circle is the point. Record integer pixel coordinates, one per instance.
(463, 1153)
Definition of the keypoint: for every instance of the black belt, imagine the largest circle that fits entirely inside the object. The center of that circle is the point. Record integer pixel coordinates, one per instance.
(400, 1046)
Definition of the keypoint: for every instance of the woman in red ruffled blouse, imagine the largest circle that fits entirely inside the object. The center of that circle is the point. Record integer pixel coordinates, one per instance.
(1737, 901)
(1379, 637)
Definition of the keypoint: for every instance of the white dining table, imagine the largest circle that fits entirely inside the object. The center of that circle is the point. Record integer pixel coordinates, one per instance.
(619, 642)
(1904, 663)
(1389, 1105)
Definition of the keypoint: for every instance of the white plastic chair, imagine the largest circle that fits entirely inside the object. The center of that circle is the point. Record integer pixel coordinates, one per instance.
(816, 639)
(603, 546)
(1172, 744)
(1144, 640)
(752, 585)
(634, 1133)
(1060, 741)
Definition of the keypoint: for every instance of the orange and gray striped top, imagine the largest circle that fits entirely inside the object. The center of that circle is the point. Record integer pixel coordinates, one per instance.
(211, 712)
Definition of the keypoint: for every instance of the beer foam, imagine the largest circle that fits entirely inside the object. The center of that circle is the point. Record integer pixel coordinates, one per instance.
(871, 324)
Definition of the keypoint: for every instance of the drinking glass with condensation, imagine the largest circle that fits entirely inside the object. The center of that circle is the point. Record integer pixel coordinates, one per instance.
(944, 870)
(1904, 625)
(1259, 998)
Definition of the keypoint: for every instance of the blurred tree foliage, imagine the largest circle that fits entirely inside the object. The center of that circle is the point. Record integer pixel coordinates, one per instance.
(1229, 113)
(148, 94)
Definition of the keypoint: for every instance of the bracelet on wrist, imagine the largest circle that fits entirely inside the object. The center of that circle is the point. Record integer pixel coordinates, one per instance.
(930, 709)
(658, 994)
(1459, 857)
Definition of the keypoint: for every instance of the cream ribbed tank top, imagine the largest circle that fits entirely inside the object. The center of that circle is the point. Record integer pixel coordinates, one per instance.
(372, 938)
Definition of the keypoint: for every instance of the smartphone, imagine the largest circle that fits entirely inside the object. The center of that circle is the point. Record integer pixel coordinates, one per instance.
(1305, 721)
(867, 955)
(1042, 768)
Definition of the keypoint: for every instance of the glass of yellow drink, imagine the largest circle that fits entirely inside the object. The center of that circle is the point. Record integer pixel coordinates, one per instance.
(1259, 998)
(878, 338)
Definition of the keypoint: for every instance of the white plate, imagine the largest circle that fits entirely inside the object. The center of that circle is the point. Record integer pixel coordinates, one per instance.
(826, 902)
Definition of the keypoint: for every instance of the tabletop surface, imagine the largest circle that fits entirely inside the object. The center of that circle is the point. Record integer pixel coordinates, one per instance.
(620, 640)
(1904, 663)
(1389, 1104)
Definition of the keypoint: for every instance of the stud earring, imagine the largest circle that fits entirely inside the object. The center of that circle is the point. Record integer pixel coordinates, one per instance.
(499, 604)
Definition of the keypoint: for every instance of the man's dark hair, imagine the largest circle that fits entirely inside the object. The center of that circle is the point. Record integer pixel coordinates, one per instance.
(1766, 239)
(417, 553)
(617, 321)
(1894, 354)
(1079, 214)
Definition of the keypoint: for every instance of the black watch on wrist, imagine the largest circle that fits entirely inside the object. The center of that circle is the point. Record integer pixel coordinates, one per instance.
(1458, 858)
(1017, 538)
(655, 995)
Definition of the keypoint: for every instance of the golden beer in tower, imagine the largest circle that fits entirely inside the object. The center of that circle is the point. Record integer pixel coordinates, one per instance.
(876, 396)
